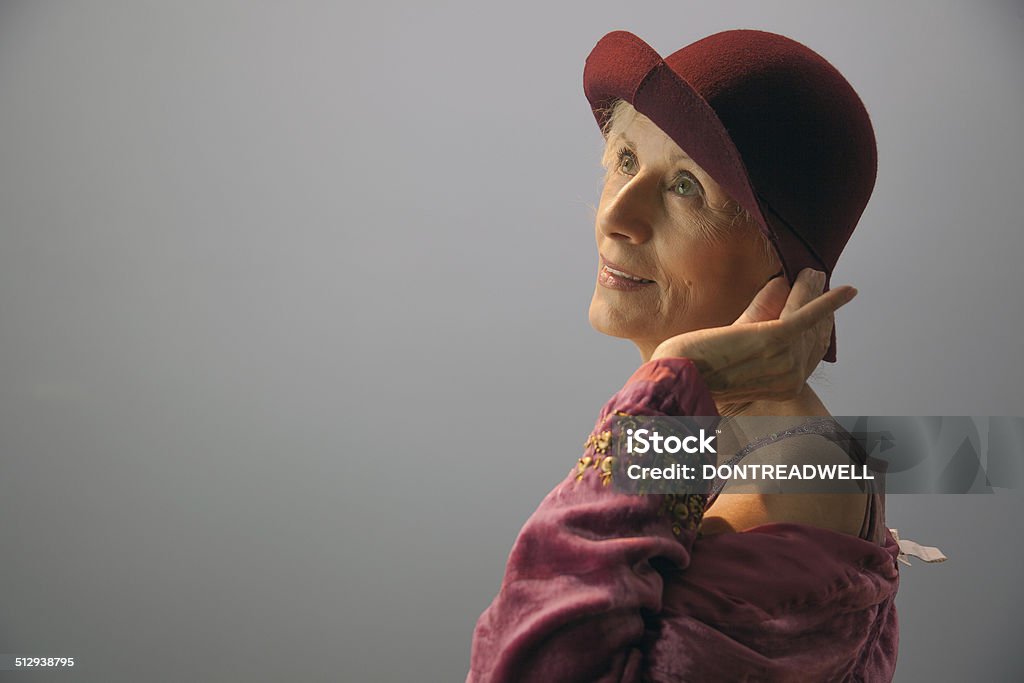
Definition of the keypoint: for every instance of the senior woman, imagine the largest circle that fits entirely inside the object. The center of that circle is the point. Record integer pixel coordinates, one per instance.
(736, 170)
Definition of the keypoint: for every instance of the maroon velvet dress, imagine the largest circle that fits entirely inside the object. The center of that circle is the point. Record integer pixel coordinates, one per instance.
(607, 586)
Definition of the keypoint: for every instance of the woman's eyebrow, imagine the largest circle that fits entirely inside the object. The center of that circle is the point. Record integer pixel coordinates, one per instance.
(678, 156)
(674, 157)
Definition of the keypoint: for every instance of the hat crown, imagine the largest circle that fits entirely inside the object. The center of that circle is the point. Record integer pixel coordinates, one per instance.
(803, 133)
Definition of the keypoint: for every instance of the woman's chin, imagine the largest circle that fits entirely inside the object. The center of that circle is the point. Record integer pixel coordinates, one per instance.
(613, 323)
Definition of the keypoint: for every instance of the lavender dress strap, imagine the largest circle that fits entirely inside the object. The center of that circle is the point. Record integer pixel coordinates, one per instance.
(825, 426)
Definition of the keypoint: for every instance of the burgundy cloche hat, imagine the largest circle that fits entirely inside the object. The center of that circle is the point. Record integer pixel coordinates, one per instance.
(769, 119)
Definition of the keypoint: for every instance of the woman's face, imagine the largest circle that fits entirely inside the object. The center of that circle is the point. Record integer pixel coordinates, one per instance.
(664, 221)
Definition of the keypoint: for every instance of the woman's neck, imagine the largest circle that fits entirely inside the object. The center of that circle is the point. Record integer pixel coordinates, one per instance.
(806, 404)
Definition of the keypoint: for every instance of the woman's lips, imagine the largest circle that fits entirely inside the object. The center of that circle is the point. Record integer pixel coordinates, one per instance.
(615, 278)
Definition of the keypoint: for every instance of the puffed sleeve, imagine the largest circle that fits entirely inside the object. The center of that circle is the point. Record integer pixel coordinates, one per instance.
(585, 571)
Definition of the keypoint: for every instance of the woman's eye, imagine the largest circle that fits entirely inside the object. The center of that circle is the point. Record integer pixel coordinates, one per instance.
(686, 186)
(627, 162)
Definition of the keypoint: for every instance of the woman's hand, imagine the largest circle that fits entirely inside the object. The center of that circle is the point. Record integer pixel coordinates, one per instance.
(772, 348)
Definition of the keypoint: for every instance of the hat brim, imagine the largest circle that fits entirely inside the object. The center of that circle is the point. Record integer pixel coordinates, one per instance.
(623, 66)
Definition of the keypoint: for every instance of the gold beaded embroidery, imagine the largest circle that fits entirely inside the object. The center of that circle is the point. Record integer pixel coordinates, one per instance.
(581, 466)
(603, 466)
(600, 442)
(685, 511)
(600, 461)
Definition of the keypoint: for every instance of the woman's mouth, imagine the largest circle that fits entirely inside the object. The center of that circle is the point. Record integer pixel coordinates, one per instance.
(614, 278)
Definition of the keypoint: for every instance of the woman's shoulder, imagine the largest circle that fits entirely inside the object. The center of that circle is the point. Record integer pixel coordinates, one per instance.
(742, 505)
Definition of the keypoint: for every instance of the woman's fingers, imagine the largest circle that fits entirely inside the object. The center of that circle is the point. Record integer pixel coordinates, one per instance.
(821, 308)
(782, 337)
(769, 302)
(808, 285)
(779, 366)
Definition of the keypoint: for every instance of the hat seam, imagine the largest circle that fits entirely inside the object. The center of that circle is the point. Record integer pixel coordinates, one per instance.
(647, 77)
(765, 203)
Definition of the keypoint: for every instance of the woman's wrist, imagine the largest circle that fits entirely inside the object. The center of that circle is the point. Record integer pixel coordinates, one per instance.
(684, 348)
(670, 385)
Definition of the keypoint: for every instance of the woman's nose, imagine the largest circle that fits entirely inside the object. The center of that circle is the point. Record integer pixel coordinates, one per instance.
(628, 215)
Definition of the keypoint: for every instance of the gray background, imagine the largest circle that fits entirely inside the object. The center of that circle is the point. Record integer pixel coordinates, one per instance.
(293, 330)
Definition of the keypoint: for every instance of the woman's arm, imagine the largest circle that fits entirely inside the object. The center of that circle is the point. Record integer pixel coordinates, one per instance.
(744, 505)
(840, 512)
(583, 574)
(584, 578)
